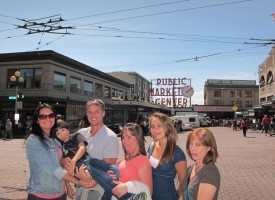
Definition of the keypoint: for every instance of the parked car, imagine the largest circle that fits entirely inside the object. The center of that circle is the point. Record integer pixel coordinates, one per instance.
(186, 127)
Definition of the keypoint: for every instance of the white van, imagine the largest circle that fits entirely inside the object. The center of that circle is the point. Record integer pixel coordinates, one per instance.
(192, 120)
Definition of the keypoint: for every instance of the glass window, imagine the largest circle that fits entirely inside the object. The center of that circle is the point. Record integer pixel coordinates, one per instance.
(114, 92)
(59, 81)
(32, 78)
(120, 94)
(107, 92)
(248, 104)
(248, 93)
(217, 93)
(98, 90)
(239, 93)
(132, 89)
(217, 102)
(88, 88)
(232, 93)
(75, 85)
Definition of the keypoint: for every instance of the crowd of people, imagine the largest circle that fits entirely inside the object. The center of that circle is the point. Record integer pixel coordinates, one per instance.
(84, 165)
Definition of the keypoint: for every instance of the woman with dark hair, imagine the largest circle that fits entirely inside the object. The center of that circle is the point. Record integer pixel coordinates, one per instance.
(202, 180)
(166, 158)
(47, 177)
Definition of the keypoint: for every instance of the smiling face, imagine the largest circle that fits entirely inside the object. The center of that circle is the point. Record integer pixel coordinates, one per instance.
(157, 129)
(46, 123)
(95, 114)
(197, 149)
(63, 134)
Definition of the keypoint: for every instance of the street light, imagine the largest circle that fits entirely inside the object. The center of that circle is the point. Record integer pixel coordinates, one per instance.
(16, 79)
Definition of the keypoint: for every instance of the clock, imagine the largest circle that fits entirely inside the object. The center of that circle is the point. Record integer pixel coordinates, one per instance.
(187, 91)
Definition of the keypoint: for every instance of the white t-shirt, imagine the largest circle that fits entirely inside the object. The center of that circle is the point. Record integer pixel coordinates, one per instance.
(104, 144)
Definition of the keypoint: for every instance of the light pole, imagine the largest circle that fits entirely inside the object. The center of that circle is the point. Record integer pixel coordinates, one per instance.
(16, 79)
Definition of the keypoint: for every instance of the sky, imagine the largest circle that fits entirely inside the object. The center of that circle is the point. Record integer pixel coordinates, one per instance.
(193, 39)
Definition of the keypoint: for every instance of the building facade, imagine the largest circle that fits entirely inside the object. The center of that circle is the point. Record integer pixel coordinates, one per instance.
(139, 85)
(240, 95)
(50, 77)
(267, 85)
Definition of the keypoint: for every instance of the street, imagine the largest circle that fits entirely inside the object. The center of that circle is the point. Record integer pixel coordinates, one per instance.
(247, 165)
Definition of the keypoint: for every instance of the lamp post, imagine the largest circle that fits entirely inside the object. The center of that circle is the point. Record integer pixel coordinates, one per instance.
(16, 79)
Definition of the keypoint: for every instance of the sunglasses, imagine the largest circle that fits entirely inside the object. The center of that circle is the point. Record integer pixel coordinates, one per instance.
(43, 116)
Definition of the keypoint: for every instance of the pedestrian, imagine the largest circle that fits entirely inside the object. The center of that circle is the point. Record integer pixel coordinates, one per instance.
(202, 180)
(166, 158)
(244, 126)
(47, 177)
(235, 124)
(8, 127)
(266, 124)
(102, 144)
(3, 129)
(74, 147)
(135, 180)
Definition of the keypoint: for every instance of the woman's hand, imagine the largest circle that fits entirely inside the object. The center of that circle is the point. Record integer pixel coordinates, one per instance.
(120, 189)
(70, 191)
(83, 174)
(112, 174)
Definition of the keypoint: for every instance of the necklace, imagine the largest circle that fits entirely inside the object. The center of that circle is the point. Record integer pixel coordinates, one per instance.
(130, 156)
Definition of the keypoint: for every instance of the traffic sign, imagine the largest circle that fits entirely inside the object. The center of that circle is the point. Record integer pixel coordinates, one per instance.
(12, 97)
(235, 108)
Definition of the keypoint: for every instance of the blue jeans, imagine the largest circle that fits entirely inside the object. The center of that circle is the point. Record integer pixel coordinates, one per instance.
(98, 170)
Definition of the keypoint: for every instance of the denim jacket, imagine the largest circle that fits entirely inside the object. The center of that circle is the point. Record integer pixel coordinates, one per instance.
(46, 172)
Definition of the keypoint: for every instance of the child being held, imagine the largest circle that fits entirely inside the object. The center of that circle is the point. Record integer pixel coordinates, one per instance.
(75, 148)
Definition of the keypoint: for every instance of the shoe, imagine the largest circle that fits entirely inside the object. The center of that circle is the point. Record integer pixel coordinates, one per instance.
(140, 196)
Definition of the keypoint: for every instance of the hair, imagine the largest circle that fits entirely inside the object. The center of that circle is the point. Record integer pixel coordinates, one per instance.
(207, 139)
(59, 124)
(97, 102)
(170, 133)
(36, 129)
(135, 131)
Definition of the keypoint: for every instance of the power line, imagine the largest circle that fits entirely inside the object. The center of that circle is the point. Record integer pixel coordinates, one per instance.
(168, 12)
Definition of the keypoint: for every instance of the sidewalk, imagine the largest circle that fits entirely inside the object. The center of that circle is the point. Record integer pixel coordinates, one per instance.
(247, 165)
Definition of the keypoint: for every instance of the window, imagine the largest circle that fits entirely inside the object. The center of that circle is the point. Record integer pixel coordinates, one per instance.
(248, 94)
(217, 93)
(98, 90)
(239, 93)
(232, 93)
(217, 102)
(88, 88)
(75, 85)
(248, 104)
(120, 94)
(59, 81)
(32, 78)
(132, 89)
(107, 92)
(262, 81)
(269, 78)
(114, 92)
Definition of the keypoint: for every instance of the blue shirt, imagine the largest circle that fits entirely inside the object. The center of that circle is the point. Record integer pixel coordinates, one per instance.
(164, 175)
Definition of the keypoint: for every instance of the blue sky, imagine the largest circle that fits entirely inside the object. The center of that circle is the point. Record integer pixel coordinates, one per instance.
(157, 38)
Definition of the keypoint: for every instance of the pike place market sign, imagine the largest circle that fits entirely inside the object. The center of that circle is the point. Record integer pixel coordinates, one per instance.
(171, 91)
